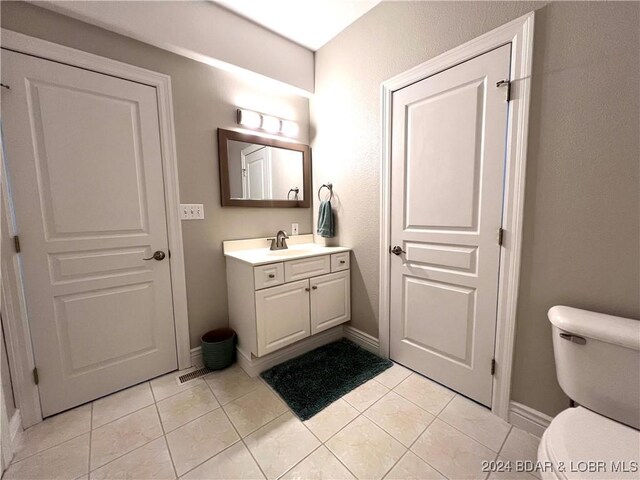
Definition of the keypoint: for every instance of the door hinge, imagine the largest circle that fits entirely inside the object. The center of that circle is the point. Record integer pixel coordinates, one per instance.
(493, 366)
(16, 243)
(505, 83)
(500, 236)
(36, 378)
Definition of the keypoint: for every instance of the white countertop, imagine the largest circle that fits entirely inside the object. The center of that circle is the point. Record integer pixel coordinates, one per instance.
(300, 246)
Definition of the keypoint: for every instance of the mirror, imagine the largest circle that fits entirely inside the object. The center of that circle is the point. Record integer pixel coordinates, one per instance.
(263, 172)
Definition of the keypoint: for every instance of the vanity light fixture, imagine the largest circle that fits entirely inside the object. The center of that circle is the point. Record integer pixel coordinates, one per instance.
(268, 123)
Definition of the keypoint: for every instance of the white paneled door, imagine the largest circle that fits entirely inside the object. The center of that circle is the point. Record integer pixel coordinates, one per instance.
(256, 170)
(448, 158)
(85, 166)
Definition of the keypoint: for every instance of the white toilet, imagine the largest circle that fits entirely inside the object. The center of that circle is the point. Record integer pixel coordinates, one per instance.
(598, 366)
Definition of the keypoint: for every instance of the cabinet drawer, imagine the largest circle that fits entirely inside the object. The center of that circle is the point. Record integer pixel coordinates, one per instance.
(339, 261)
(268, 275)
(306, 267)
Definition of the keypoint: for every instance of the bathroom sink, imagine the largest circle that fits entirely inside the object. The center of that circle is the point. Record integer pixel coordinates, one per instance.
(290, 252)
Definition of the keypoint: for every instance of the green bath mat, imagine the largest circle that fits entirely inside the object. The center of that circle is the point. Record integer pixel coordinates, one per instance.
(311, 382)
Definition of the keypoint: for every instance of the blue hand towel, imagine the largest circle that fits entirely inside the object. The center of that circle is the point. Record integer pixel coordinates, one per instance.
(325, 220)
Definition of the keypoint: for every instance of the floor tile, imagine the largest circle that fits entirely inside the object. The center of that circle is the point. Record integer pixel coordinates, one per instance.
(234, 463)
(365, 449)
(185, 406)
(166, 386)
(402, 419)
(149, 462)
(231, 383)
(411, 467)
(320, 465)
(451, 452)
(201, 439)
(66, 461)
(250, 412)
(425, 393)
(512, 475)
(120, 404)
(366, 395)
(281, 444)
(520, 445)
(476, 421)
(391, 377)
(124, 435)
(54, 431)
(330, 420)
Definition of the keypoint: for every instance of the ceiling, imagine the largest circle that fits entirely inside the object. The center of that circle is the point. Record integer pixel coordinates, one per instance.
(310, 23)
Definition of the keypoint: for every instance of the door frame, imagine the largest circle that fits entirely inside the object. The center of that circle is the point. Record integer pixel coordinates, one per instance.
(22, 355)
(519, 33)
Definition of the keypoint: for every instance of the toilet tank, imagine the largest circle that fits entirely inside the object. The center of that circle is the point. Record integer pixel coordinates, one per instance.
(598, 361)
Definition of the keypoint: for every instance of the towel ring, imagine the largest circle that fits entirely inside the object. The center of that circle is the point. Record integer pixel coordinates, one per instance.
(296, 191)
(328, 186)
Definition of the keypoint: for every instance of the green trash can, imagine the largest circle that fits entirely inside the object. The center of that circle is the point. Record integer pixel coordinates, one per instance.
(218, 348)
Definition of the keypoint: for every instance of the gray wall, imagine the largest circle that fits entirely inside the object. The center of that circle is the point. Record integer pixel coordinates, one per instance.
(204, 99)
(581, 232)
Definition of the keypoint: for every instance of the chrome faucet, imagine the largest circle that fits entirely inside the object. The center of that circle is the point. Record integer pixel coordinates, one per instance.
(280, 242)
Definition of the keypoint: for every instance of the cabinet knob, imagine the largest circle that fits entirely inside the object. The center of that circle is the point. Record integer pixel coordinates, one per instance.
(315, 287)
(271, 275)
(342, 262)
(306, 289)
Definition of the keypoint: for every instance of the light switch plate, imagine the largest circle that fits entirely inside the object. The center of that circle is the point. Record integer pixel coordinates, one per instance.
(191, 211)
(294, 229)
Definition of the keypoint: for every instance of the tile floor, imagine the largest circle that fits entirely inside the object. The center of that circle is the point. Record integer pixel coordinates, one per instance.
(230, 426)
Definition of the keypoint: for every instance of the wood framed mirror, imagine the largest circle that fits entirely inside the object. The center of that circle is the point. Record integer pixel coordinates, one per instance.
(257, 171)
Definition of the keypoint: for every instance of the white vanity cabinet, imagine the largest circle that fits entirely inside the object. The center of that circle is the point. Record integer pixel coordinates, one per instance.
(272, 305)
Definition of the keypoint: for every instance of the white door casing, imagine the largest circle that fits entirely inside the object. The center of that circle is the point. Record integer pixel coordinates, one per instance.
(330, 301)
(282, 315)
(448, 151)
(518, 33)
(85, 160)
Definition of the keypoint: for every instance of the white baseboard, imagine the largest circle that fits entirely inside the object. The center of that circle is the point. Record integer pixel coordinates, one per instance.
(15, 429)
(362, 339)
(528, 419)
(196, 357)
(254, 366)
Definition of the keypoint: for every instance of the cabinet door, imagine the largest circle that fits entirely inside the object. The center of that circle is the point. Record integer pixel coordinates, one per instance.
(282, 315)
(330, 301)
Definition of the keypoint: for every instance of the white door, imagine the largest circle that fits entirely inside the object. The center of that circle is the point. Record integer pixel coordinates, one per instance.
(448, 152)
(282, 315)
(84, 161)
(330, 301)
(257, 174)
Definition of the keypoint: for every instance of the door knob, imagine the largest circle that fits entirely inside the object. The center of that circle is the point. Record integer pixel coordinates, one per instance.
(157, 255)
(397, 250)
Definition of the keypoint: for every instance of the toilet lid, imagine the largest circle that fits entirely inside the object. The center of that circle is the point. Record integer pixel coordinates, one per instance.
(591, 446)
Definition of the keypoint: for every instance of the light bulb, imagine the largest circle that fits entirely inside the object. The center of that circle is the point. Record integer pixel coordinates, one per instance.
(249, 119)
(270, 124)
(289, 128)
